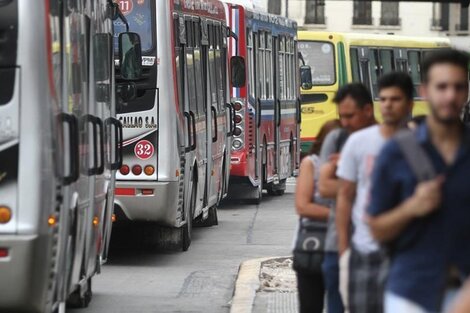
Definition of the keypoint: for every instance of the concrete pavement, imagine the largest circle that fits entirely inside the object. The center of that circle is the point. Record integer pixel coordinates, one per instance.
(202, 279)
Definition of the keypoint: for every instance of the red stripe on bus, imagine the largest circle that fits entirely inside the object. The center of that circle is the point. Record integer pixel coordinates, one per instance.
(125, 192)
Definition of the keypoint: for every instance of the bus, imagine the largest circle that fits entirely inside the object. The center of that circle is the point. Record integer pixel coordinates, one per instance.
(177, 137)
(265, 146)
(339, 58)
(59, 146)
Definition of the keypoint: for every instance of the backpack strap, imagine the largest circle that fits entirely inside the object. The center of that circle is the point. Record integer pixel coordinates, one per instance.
(341, 139)
(415, 156)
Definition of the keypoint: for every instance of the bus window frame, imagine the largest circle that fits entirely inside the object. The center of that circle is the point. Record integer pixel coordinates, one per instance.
(335, 69)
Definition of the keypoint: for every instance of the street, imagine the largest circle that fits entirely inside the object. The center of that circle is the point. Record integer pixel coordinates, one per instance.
(202, 279)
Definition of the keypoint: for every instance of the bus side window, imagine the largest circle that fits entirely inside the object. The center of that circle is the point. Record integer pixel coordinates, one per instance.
(218, 67)
(198, 68)
(414, 69)
(375, 70)
(179, 62)
(212, 73)
(356, 75)
(261, 65)
(281, 74)
(251, 72)
(386, 61)
(269, 66)
(190, 72)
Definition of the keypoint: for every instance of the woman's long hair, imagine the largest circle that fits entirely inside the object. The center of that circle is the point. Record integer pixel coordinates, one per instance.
(325, 130)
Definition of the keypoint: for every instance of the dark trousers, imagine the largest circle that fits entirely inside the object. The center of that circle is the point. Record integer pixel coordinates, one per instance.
(331, 276)
(311, 292)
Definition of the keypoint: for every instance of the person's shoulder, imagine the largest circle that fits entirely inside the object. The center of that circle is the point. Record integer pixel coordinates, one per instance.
(334, 134)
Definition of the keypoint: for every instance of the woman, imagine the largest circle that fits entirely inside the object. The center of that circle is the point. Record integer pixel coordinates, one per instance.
(313, 212)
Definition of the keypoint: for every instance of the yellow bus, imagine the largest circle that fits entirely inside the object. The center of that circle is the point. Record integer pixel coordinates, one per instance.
(338, 58)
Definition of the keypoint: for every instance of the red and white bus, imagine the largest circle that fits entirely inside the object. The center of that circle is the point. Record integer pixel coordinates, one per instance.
(265, 146)
(177, 130)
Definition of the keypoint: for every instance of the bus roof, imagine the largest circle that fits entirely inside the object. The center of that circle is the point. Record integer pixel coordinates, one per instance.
(364, 39)
(261, 20)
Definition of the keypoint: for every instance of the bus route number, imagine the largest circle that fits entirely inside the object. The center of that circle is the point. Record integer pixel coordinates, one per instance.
(126, 6)
(144, 150)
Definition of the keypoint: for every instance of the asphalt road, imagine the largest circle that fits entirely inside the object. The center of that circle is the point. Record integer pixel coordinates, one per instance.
(202, 279)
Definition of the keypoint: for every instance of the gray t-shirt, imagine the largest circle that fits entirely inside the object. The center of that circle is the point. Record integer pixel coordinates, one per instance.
(330, 146)
(356, 165)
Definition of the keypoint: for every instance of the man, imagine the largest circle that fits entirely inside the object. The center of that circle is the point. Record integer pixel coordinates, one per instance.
(356, 111)
(427, 224)
(367, 262)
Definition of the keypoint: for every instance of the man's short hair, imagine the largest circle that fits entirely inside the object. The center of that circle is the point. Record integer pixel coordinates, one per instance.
(449, 56)
(357, 91)
(400, 80)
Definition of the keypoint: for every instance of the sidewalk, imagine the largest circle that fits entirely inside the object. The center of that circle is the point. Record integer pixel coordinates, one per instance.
(266, 286)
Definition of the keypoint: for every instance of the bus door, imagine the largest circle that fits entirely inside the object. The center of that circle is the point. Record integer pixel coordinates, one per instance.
(213, 109)
(76, 103)
(195, 106)
(257, 109)
(273, 53)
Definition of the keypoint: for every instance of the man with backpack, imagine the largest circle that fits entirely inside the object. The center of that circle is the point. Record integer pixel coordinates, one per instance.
(367, 262)
(420, 196)
(356, 112)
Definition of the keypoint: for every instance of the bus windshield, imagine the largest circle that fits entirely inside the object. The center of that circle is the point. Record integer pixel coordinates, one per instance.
(139, 16)
(320, 56)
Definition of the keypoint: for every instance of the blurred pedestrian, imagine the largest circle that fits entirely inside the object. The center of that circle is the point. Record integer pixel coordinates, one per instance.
(462, 302)
(421, 211)
(313, 213)
(356, 111)
(367, 262)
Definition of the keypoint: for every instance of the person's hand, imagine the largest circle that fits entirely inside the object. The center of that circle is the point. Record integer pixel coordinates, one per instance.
(334, 159)
(426, 198)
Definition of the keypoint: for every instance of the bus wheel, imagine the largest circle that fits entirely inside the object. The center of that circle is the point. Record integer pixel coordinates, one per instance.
(79, 301)
(211, 220)
(188, 227)
(277, 190)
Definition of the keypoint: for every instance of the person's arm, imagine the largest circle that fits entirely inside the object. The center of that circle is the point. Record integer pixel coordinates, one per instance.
(389, 214)
(348, 169)
(328, 183)
(304, 192)
(344, 204)
(425, 200)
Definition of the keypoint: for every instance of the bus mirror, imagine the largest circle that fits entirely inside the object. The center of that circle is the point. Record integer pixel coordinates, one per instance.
(306, 77)
(130, 56)
(127, 92)
(237, 71)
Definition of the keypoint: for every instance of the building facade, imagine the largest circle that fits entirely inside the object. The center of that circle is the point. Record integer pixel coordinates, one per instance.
(387, 17)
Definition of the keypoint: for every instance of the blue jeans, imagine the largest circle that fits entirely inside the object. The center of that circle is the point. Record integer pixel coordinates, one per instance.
(331, 278)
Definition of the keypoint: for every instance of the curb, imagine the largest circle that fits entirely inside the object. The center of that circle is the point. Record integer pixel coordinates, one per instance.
(247, 284)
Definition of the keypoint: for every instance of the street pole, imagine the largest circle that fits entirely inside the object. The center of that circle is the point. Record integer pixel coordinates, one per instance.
(287, 8)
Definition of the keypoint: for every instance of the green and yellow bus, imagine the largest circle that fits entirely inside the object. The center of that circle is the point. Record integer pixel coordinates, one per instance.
(338, 58)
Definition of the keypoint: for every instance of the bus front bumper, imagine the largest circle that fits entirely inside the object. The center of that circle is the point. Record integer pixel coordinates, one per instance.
(149, 201)
(23, 278)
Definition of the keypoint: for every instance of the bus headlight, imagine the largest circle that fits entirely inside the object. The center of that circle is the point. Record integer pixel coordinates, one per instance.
(237, 144)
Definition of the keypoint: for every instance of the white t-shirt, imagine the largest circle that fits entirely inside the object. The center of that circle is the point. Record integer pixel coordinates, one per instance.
(356, 165)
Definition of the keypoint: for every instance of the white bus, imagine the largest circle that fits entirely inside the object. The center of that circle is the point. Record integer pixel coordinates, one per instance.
(59, 149)
(177, 132)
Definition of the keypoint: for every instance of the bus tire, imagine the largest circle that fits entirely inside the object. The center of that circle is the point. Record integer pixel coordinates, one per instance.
(77, 301)
(187, 229)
